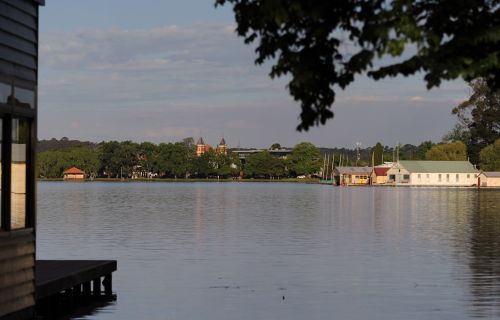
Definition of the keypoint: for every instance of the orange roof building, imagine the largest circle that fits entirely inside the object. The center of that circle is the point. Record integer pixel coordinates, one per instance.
(74, 174)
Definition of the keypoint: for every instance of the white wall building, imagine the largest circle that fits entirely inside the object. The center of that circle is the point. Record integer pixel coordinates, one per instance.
(433, 173)
(489, 179)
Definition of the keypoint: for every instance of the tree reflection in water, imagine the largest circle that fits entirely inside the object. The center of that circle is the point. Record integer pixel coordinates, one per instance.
(484, 259)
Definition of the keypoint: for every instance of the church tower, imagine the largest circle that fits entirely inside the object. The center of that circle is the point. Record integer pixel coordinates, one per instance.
(222, 147)
(200, 147)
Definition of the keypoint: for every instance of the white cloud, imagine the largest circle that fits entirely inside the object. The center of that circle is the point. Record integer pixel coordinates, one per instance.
(149, 66)
(171, 132)
(170, 82)
(416, 98)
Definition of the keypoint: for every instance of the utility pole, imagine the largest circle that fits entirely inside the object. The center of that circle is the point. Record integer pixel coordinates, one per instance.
(358, 156)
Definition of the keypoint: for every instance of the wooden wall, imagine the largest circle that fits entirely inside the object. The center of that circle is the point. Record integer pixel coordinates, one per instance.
(19, 39)
(18, 67)
(17, 277)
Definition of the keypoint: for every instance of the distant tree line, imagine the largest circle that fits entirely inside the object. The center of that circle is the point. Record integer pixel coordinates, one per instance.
(127, 159)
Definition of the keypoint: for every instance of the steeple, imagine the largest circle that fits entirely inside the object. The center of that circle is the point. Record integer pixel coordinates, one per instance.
(222, 147)
(201, 147)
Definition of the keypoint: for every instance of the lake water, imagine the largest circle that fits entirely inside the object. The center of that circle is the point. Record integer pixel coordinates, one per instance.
(279, 250)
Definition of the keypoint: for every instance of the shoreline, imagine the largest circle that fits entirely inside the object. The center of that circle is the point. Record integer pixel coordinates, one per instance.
(169, 180)
(286, 180)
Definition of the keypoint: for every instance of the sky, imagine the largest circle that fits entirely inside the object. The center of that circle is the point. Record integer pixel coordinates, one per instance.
(161, 71)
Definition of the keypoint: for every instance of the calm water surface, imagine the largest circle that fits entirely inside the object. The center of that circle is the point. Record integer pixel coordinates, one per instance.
(234, 250)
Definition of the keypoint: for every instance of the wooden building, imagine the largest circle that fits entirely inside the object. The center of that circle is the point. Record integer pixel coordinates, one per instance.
(489, 179)
(352, 176)
(433, 173)
(18, 114)
(74, 174)
(379, 175)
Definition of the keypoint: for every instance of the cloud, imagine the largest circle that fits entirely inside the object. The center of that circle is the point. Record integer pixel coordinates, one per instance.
(416, 98)
(240, 124)
(118, 46)
(170, 82)
(75, 125)
(171, 132)
(119, 67)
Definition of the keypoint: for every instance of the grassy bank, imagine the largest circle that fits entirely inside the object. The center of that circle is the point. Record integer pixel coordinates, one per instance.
(295, 180)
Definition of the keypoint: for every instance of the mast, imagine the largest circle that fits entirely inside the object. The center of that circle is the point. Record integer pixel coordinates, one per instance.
(327, 165)
(333, 163)
(323, 173)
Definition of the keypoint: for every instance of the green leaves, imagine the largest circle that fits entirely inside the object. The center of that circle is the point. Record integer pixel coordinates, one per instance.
(51, 164)
(479, 118)
(304, 159)
(490, 157)
(308, 41)
(454, 151)
(263, 164)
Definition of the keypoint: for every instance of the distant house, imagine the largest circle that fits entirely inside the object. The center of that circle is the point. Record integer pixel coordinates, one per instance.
(74, 174)
(346, 176)
(432, 173)
(489, 179)
(379, 175)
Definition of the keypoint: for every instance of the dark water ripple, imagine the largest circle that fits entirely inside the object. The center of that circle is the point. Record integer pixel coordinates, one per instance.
(281, 251)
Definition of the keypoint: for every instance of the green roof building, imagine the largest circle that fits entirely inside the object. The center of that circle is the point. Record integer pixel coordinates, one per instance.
(433, 173)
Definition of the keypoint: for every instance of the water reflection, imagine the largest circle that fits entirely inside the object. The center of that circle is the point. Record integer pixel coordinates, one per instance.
(484, 260)
(233, 250)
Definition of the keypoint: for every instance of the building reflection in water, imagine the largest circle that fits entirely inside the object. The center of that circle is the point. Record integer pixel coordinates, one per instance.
(484, 255)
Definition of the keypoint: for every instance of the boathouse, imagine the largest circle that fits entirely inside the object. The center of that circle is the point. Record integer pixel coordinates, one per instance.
(489, 179)
(379, 175)
(346, 176)
(74, 174)
(433, 173)
(18, 117)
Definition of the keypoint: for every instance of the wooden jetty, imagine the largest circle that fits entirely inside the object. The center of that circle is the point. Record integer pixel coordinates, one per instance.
(62, 285)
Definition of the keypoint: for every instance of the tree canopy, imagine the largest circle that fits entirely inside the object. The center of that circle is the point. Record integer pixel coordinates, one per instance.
(378, 154)
(304, 159)
(454, 151)
(263, 164)
(323, 45)
(479, 118)
(490, 157)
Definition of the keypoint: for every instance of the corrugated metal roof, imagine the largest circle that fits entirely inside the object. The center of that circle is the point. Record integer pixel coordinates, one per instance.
(354, 170)
(426, 166)
(492, 174)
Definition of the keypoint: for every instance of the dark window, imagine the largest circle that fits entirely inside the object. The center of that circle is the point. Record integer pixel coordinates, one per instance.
(5, 92)
(406, 177)
(24, 97)
(392, 177)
